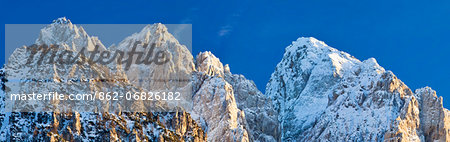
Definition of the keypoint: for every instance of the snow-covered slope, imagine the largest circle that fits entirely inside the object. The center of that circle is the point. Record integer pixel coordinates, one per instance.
(321, 93)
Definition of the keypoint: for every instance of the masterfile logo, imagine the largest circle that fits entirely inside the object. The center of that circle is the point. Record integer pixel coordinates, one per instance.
(53, 54)
(66, 69)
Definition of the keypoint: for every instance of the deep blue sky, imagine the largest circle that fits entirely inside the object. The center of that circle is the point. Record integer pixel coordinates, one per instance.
(409, 37)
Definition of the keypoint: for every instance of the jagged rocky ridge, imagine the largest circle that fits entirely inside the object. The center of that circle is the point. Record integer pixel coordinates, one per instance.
(321, 93)
(67, 125)
(215, 111)
(316, 93)
(232, 102)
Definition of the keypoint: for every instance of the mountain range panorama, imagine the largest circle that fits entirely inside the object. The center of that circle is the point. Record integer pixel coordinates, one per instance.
(316, 93)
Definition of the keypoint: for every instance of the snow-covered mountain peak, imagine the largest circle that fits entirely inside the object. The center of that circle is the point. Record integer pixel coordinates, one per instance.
(67, 35)
(322, 93)
(209, 64)
(152, 29)
(308, 54)
(62, 20)
(153, 35)
(157, 27)
(309, 40)
(312, 55)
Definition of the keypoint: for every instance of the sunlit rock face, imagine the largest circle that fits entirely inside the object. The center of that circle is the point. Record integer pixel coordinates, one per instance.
(321, 93)
(219, 101)
(233, 101)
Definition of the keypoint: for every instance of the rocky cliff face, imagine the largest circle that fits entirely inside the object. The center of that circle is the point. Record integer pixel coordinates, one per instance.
(213, 110)
(229, 106)
(321, 93)
(174, 126)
